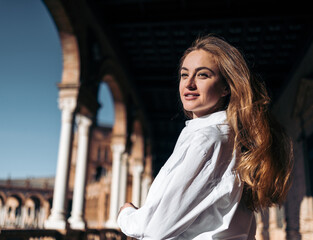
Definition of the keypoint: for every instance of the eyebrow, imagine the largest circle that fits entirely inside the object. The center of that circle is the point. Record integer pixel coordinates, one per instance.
(198, 69)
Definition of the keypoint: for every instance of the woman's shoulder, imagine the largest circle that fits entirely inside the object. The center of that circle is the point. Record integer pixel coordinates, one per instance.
(208, 136)
(218, 132)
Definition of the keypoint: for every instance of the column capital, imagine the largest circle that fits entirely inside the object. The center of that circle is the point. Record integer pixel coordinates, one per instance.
(83, 120)
(67, 103)
(125, 157)
(118, 148)
(137, 168)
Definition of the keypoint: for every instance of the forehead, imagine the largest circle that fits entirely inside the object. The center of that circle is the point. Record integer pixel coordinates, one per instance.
(199, 58)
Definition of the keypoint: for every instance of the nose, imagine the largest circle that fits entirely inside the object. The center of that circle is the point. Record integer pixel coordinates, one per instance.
(191, 84)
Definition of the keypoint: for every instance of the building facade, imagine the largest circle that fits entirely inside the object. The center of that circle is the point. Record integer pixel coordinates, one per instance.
(27, 203)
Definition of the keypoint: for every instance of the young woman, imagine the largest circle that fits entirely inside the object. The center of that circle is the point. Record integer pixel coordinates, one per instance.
(231, 159)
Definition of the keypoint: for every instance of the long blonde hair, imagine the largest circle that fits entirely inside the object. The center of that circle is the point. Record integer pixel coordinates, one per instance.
(263, 148)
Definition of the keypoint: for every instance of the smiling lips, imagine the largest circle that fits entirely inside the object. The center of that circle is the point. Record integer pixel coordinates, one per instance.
(191, 96)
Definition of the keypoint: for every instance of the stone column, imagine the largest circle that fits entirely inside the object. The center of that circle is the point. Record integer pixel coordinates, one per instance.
(77, 220)
(117, 150)
(265, 221)
(306, 217)
(22, 216)
(2, 215)
(123, 180)
(295, 194)
(276, 229)
(136, 187)
(41, 217)
(57, 219)
(145, 185)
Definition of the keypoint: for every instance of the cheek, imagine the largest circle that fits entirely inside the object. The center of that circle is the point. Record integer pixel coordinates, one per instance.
(180, 88)
(213, 92)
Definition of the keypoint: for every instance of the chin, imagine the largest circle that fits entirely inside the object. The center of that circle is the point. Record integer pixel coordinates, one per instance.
(189, 108)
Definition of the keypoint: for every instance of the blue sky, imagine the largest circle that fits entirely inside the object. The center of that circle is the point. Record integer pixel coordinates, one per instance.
(30, 68)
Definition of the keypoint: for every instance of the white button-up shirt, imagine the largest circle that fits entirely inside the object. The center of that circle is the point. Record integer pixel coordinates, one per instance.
(197, 193)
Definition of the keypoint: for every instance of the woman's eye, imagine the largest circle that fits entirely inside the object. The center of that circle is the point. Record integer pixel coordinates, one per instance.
(183, 75)
(203, 75)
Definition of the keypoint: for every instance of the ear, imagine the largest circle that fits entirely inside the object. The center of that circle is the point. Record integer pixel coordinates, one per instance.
(226, 91)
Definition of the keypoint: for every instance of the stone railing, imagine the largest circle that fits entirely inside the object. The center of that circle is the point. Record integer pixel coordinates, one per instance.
(32, 183)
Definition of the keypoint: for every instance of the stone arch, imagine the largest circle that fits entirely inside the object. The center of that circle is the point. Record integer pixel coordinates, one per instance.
(18, 195)
(32, 210)
(35, 201)
(13, 213)
(3, 197)
(69, 43)
(120, 122)
(35, 195)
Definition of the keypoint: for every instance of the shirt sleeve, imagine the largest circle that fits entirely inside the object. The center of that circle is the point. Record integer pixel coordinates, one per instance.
(200, 181)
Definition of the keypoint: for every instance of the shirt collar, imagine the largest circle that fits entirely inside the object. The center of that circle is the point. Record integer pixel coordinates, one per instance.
(207, 120)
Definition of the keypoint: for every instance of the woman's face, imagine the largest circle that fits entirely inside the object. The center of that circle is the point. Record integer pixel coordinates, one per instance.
(201, 86)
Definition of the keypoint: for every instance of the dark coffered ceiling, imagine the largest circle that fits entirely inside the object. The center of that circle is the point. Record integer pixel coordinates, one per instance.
(150, 36)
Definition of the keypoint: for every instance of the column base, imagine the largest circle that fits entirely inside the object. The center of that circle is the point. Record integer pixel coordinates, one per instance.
(77, 223)
(111, 224)
(56, 222)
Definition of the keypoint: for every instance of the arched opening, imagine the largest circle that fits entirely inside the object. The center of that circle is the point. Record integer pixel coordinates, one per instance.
(120, 116)
(106, 114)
(32, 212)
(31, 63)
(14, 211)
(68, 95)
